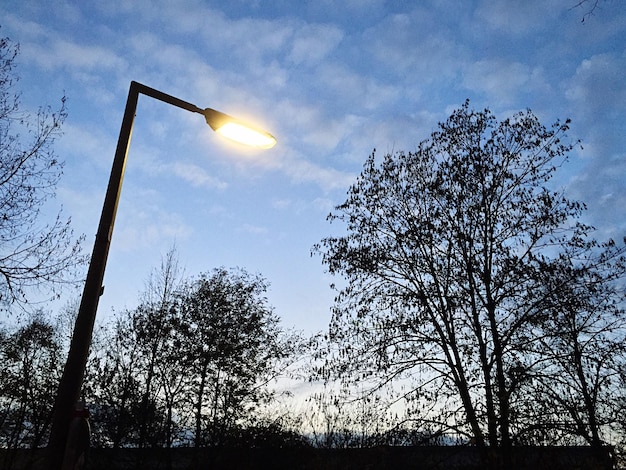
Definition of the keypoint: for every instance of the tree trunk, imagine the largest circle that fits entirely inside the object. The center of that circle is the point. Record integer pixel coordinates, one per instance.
(200, 398)
(593, 436)
(503, 394)
(143, 424)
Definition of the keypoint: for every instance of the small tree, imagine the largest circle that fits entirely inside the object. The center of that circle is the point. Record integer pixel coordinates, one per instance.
(139, 380)
(29, 368)
(33, 255)
(191, 362)
(231, 344)
(113, 388)
(154, 325)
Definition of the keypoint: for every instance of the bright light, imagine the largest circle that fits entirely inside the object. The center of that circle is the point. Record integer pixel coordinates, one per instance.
(245, 135)
(238, 131)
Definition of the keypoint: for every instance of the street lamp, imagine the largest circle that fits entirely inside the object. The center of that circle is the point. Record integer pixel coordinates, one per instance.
(71, 381)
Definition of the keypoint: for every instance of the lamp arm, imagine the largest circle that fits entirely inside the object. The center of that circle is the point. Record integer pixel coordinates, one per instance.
(159, 95)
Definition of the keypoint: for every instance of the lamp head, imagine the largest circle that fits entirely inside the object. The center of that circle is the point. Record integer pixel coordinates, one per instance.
(237, 130)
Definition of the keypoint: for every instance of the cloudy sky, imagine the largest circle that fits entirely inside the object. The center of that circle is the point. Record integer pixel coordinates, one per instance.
(332, 80)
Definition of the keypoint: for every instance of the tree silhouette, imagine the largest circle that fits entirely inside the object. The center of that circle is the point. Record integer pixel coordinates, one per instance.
(447, 256)
(34, 255)
(29, 366)
(231, 340)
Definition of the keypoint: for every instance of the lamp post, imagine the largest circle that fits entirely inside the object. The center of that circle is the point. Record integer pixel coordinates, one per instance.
(71, 381)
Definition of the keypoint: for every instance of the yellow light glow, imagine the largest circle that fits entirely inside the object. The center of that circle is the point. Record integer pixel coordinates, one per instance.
(245, 135)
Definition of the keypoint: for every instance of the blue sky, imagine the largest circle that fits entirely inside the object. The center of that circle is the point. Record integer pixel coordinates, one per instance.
(332, 81)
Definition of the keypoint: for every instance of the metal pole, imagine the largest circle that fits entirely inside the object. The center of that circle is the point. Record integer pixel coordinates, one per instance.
(71, 381)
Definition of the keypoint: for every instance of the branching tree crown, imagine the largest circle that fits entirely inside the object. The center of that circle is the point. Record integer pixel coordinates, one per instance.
(33, 254)
(232, 342)
(447, 254)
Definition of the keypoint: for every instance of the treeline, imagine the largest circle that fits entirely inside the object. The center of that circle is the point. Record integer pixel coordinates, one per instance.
(195, 364)
(189, 366)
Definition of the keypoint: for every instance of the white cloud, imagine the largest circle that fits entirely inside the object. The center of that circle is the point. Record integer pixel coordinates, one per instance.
(307, 124)
(88, 145)
(254, 229)
(415, 49)
(354, 89)
(517, 17)
(598, 84)
(197, 176)
(597, 95)
(597, 99)
(150, 229)
(282, 203)
(28, 30)
(324, 205)
(312, 43)
(300, 206)
(503, 81)
(328, 178)
(601, 186)
(63, 54)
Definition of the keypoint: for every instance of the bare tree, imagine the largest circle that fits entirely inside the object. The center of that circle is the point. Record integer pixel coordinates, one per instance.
(34, 255)
(589, 7)
(581, 353)
(447, 254)
(137, 382)
(154, 322)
